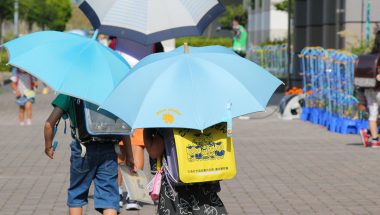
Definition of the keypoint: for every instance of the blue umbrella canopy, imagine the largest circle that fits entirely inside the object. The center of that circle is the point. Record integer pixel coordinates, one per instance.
(147, 21)
(69, 63)
(194, 90)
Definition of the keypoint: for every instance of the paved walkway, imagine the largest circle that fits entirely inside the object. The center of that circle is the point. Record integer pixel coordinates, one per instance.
(284, 167)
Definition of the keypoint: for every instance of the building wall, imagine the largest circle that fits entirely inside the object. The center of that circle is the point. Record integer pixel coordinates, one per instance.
(355, 25)
(316, 22)
(265, 23)
(278, 24)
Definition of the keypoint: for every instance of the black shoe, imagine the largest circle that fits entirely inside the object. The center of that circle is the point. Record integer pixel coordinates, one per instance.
(121, 201)
(153, 166)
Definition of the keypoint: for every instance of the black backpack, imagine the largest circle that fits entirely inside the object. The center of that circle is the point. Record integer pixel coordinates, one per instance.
(95, 124)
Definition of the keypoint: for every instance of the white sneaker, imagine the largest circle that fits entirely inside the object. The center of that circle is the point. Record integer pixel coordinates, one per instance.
(29, 122)
(132, 205)
(22, 123)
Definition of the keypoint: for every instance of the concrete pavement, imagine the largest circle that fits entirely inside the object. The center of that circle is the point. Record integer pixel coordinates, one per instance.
(284, 167)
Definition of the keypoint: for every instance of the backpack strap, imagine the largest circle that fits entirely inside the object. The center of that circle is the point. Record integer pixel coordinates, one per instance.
(55, 142)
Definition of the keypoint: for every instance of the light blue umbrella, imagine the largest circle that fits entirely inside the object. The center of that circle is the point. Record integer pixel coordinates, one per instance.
(69, 63)
(191, 90)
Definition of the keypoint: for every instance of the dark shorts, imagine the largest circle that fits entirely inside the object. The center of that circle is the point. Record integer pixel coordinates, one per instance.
(98, 165)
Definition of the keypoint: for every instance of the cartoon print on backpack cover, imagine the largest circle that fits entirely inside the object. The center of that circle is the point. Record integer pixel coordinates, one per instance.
(202, 146)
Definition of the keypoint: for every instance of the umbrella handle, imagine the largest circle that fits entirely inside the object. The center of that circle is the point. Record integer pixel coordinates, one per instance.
(229, 119)
(95, 36)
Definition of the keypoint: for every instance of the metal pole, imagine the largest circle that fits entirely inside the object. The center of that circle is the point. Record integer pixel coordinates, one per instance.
(15, 27)
(368, 23)
(289, 45)
(337, 20)
(361, 23)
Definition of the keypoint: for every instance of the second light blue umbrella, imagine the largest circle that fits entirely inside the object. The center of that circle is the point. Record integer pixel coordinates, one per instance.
(69, 63)
(194, 90)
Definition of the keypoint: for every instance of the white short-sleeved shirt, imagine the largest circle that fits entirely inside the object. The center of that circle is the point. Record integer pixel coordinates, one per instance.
(25, 81)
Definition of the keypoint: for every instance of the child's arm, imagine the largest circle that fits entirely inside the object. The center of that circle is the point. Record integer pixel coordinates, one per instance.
(154, 143)
(55, 115)
(128, 152)
(15, 88)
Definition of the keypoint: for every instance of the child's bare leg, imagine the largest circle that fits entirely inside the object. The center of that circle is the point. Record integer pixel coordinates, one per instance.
(119, 178)
(75, 211)
(109, 212)
(138, 156)
(28, 107)
(22, 114)
(373, 128)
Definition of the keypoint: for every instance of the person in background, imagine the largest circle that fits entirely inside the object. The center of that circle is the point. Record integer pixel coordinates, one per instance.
(23, 84)
(97, 164)
(240, 37)
(372, 99)
(103, 40)
(133, 52)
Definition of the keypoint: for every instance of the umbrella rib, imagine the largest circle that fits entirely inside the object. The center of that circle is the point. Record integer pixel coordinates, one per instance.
(197, 90)
(74, 62)
(108, 64)
(231, 75)
(150, 90)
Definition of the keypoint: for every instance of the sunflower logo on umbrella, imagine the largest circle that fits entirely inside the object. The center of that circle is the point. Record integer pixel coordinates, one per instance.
(168, 115)
(168, 118)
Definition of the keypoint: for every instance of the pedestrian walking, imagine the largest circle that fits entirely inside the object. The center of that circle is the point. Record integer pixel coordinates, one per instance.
(372, 99)
(240, 37)
(93, 160)
(196, 199)
(133, 52)
(23, 84)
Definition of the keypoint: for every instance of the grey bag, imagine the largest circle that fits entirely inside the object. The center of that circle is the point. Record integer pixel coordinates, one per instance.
(171, 158)
(93, 123)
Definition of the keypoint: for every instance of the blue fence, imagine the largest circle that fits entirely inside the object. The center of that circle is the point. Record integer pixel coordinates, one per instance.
(328, 83)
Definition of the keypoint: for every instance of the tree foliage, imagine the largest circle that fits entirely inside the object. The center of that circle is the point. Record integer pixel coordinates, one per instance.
(6, 12)
(284, 6)
(231, 12)
(6, 9)
(51, 14)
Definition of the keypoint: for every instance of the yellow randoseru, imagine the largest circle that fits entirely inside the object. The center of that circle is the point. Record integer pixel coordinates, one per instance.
(205, 156)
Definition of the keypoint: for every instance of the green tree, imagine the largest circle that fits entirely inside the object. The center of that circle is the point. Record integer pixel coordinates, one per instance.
(28, 12)
(6, 12)
(232, 11)
(51, 14)
(59, 14)
(283, 6)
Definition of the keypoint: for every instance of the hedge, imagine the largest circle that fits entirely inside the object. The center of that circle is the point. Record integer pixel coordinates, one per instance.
(204, 41)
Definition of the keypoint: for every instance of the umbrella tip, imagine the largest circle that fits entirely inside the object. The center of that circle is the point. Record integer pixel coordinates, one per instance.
(185, 48)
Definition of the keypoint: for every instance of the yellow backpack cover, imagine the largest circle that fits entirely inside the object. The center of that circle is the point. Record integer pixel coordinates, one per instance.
(205, 156)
